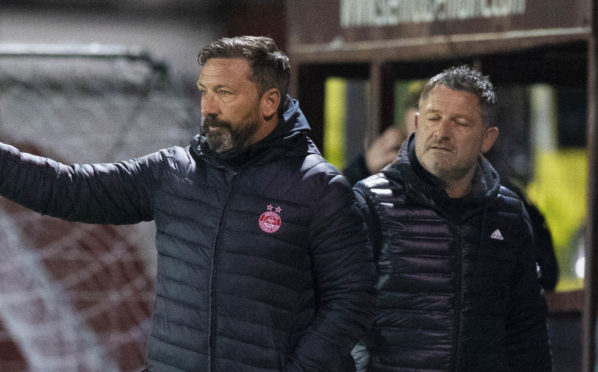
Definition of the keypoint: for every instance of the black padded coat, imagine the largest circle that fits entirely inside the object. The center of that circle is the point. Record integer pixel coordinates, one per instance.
(262, 259)
(457, 287)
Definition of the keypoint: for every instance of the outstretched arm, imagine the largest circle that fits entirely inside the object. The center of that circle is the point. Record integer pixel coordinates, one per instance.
(100, 193)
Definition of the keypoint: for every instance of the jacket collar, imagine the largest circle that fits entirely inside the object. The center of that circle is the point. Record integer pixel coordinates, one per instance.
(289, 138)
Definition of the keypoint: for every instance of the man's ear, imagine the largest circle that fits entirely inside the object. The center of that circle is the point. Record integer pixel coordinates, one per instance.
(490, 136)
(416, 120)
(270, 102)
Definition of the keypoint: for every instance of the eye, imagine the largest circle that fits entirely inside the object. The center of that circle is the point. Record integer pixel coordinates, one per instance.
(223, 93)
(433, 118)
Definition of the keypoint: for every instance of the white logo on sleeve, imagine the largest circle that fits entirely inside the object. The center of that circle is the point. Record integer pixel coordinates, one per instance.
(497, 235)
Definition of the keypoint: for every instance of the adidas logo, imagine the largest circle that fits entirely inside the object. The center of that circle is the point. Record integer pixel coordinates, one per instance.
(497, 235)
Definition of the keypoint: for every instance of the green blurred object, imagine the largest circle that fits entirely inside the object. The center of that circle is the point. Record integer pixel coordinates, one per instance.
(335, 102)
(559, 189)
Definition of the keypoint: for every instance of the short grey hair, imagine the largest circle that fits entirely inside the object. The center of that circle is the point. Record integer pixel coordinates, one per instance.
(469, 80)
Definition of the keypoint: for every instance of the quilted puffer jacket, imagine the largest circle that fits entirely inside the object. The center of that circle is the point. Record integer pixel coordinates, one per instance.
(262, 258)
(457, 287)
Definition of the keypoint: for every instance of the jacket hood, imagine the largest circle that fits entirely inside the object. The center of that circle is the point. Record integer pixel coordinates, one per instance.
(406, 167)
(288, 137)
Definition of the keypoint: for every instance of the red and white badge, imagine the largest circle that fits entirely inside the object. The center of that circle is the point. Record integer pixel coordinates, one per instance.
(270, 220)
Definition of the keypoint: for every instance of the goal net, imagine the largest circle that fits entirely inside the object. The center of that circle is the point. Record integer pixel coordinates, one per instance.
(78, 297)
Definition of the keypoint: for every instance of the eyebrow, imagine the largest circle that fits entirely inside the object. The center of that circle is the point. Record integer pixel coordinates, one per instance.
(199, 84)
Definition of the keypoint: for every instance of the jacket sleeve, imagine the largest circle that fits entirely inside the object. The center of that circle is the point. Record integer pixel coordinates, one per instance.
(526, 344)
(361, 352)
(368, 213)
(343, 273)
(115, 193)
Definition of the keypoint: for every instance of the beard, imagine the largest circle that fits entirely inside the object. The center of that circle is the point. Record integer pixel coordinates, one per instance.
(223, 136)
(448, 165)
(450, 173)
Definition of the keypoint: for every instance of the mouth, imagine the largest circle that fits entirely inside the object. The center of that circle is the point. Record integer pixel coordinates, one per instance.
(213, 128)
(439, 148)
(211, 125)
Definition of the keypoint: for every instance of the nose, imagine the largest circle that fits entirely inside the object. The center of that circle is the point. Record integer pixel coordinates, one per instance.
(443, 129)
(208, 104)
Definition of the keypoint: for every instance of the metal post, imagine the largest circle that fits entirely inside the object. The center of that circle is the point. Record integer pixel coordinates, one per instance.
(375, 109)
(591, 239)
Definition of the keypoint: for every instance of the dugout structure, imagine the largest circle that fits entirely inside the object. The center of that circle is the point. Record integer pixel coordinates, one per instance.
(541, 55)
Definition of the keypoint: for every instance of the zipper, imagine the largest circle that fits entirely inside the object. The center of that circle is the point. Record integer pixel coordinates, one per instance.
(458, 299)
(212, 298)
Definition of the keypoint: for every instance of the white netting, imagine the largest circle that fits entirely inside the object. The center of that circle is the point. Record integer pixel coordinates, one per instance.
(76, 297)
(49, 332)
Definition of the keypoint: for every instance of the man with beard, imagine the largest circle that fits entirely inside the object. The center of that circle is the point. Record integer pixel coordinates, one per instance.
(262, 258)
(457, 287)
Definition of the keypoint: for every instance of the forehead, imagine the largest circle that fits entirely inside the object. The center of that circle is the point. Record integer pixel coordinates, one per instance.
(225, 71)
(443, 98)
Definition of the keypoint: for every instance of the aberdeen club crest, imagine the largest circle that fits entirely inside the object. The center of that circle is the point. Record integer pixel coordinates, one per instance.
(270, 220)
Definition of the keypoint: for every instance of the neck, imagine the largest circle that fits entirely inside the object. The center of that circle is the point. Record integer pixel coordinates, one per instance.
(455, 192)
(459, 188)
(266, 127)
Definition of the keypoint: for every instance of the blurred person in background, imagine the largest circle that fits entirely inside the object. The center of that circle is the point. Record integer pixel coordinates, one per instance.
(385, 147)
(457, 287)
(548, 268)
(262, 258)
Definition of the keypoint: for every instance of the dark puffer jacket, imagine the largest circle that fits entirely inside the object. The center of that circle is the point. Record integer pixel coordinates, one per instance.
(457, 287)
(262, 259)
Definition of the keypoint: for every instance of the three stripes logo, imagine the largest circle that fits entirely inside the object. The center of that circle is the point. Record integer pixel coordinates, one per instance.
(497, 235)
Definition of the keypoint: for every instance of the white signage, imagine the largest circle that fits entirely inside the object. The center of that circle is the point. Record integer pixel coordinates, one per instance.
(375, 13)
